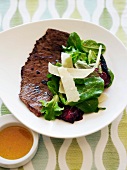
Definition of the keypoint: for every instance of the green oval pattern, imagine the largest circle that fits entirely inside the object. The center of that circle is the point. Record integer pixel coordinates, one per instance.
(74, 156)
(123, 133)
(93, 141)
(57, 144)
(90, 6)
(16, 19)
(4, 110)
(119, 5)
(41, 159)
(110, 156)
(61, 7)
(32, 6)
(106, 19)
(76, 14)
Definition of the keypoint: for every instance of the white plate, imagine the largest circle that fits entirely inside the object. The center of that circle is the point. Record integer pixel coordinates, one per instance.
(15, 46)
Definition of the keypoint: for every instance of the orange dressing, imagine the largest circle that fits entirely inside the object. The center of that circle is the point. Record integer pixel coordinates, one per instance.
(15, 142)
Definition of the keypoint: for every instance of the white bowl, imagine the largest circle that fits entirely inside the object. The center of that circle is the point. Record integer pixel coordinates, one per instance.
(10, 120)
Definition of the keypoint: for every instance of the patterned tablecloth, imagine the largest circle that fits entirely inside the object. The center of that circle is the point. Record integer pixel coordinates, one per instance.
(105, 149)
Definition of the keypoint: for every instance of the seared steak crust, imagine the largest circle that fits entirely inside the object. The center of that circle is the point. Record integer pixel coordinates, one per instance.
(33, 84)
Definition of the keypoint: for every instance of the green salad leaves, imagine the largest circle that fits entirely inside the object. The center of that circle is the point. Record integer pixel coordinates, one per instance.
(51, 109)
(84, 55)
(82, 50)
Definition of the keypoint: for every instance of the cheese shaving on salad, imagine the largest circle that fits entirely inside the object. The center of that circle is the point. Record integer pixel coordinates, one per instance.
(66, 60)
(74, 72)
(61, 88)
(69, 85)
(98, 57)
(66, 84)
(103, 97)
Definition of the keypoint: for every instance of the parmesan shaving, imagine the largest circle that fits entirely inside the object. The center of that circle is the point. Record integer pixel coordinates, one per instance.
(66, 60)
(75, 73)
(69, 85)
(80, 73)
(53, 69)
(98, 57)
(61, 88)
(103, 97)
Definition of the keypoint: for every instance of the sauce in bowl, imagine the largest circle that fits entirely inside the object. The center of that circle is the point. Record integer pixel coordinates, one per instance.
(15, 142)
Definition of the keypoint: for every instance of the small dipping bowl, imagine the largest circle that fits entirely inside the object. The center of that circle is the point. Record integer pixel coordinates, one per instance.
(7, 121)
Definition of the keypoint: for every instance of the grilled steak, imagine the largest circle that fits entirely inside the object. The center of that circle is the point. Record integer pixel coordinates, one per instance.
(34, 81)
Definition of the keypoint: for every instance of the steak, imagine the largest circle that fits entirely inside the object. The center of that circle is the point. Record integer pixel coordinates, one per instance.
(34, 73)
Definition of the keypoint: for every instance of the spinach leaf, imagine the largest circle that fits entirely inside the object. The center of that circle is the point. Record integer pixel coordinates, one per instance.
(92, 45)
(79, 81)
(92, 87)
(63, 99)
(74, 41)
(51, 109)
(88, 106)
(53, 84)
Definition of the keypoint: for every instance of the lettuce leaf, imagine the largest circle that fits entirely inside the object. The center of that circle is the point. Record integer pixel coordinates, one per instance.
(77, 55)
(53, 84)
(88, 106)
(51, 109)
(92, 45)
(74, 41)
(91, 87)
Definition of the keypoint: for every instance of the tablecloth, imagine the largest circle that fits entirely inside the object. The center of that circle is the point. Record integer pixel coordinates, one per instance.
(107, 148)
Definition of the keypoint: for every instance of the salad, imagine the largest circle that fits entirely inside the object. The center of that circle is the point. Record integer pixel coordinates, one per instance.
(78, 81)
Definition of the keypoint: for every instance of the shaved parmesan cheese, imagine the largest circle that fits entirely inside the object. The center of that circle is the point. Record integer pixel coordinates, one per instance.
(53, 69)
(98, 57)
(102, 97)
(80, 73)
(66, 60)
(61, 88)
(69, 85)
(75, 73)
